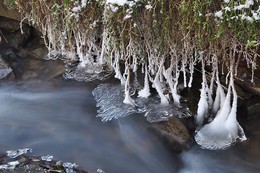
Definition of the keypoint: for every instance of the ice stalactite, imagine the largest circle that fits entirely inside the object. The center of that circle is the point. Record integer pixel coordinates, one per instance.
(116, 67)
(158, 87)
(175, 95)
(220, 96)
(235, 130)
(145, 92)
(192, 63)
(169, 78)
(80, 43)
(203, 107)
(128, 99)
(183, 69)
(210, 89)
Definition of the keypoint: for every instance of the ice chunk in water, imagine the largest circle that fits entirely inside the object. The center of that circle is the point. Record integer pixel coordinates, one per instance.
(69, 167)
(16, 153)
(9, 165)
(47, 158)
(109, 99)
(100, 171)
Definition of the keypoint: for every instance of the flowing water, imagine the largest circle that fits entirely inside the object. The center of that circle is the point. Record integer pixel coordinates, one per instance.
(61, 121)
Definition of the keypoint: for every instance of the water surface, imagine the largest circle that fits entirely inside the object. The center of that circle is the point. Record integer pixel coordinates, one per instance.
(61, 121)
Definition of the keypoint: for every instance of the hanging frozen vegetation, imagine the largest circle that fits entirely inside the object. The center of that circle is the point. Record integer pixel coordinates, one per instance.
(224, 129)
(160, 42)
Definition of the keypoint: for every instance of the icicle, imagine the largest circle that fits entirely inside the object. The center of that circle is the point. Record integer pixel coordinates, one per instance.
(116, 67)
(220, 96)
(128, 99)
(184, 64)
(145, 92)
(175, 95)
(169, 78)
(158, 87)
(231, 124)
(203, 107)
(210, 89)
(191, 67)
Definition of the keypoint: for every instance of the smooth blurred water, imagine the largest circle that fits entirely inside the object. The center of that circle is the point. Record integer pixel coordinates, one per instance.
(61, 121)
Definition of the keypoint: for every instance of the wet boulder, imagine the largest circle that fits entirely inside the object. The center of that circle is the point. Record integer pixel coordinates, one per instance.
(174, 133)
(14, 34)
(41, 69)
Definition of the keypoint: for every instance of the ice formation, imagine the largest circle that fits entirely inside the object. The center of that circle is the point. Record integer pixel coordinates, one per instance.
(9, 166)
(16, 153)
(203, 106)
(47, 158)
(145, 92)
(158, 87)
(110, 105)
(224, 130)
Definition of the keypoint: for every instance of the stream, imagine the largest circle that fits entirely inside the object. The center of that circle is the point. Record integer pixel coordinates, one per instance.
(61, 121)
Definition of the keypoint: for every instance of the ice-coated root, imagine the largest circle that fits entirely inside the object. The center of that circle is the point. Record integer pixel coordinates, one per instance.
(158, 87)
(203, 106)
(192, 63)
(116, 67)
(202, 110)
(231, 122)
(128, 99)
(145, 92)
(169, 78)
(175, 95)
(220, 96)
(183, 69)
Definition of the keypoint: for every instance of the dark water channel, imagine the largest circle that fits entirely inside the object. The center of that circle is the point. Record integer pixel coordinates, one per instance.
(61, 121)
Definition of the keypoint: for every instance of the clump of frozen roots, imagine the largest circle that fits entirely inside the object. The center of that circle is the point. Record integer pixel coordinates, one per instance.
(97, 39)
(223, 130)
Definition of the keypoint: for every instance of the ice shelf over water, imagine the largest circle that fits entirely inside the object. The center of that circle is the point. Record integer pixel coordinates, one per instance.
(110, 105)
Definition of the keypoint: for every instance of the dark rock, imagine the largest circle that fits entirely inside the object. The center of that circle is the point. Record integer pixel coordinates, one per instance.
(9, 13)
(174, 133)
(244, 77)
(11, 33)
(250, 109)
(41, 69)
(9, 24)
(35, 49)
